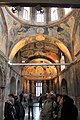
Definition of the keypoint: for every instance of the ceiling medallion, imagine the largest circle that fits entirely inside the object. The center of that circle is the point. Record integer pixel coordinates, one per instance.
(40, 37)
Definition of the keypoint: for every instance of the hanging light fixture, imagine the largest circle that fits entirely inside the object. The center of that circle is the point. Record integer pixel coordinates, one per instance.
(16, 9)
(39, 8)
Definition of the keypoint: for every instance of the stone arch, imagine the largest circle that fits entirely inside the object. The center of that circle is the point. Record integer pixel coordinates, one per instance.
(64, 89)
(13, 85)
(20, 44)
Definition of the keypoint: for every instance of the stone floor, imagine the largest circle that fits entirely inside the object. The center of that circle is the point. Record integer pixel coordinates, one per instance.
(36, 111)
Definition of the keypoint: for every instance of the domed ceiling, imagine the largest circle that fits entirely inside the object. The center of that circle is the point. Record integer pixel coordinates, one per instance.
(40, 44)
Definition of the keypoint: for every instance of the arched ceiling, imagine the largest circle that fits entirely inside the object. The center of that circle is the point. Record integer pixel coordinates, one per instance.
(49, 43)
(39, 49)
(41, 44)
(39, 72)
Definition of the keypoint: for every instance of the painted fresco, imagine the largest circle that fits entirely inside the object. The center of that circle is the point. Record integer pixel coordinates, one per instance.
(2, 36)
(18, 31)
(77, 39)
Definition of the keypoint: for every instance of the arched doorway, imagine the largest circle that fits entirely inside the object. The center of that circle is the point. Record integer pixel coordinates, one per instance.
(13, 86)
(64, 86)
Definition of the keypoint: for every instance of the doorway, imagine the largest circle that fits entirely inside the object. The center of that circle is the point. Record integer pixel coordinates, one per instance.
(38, 88)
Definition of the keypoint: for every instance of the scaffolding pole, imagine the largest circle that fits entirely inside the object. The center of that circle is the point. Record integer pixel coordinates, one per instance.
(38, 64)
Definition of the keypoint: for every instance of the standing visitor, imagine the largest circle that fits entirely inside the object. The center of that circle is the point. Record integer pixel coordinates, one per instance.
(68, 111)
(30, 105)
(40, 101)
(9, 109)
(20, 111)
(48, 108)
(21, 96)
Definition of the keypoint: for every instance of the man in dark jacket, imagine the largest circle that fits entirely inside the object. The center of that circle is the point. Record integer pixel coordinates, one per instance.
(21, 96)
(30, 105)
(9, 109)
(20, 112)
(40, 101)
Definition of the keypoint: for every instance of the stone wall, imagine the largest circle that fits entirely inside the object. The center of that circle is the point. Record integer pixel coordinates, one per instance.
(72, 77)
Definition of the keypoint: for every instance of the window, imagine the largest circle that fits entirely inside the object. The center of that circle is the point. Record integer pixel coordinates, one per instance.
(26, 13)
(40, 17)
(54, 15)
(38, 89)
(67, 10)
(62, 61)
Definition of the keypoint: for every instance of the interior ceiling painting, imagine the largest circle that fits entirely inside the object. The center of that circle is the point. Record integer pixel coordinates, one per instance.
(33, 50)
(39, 44)
(48, 40)
(39, 73)
(77, 37)
(19, 30)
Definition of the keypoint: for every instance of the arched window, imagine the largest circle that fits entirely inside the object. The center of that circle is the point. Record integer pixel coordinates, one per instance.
(26, 13)
(40, 17)
(54, 15)
(62, 60)
(67, 10)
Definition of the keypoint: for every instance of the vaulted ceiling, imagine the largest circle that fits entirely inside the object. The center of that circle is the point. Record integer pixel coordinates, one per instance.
(29, 45)
(41, 51)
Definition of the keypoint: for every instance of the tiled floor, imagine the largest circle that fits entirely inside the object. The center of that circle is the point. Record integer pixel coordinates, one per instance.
(36, 112)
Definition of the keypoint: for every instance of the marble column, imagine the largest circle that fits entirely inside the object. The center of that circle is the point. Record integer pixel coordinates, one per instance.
(27, 86)
(50, 88)
(47, 84)
(45, 87)
(33, 88)
(30, 86)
